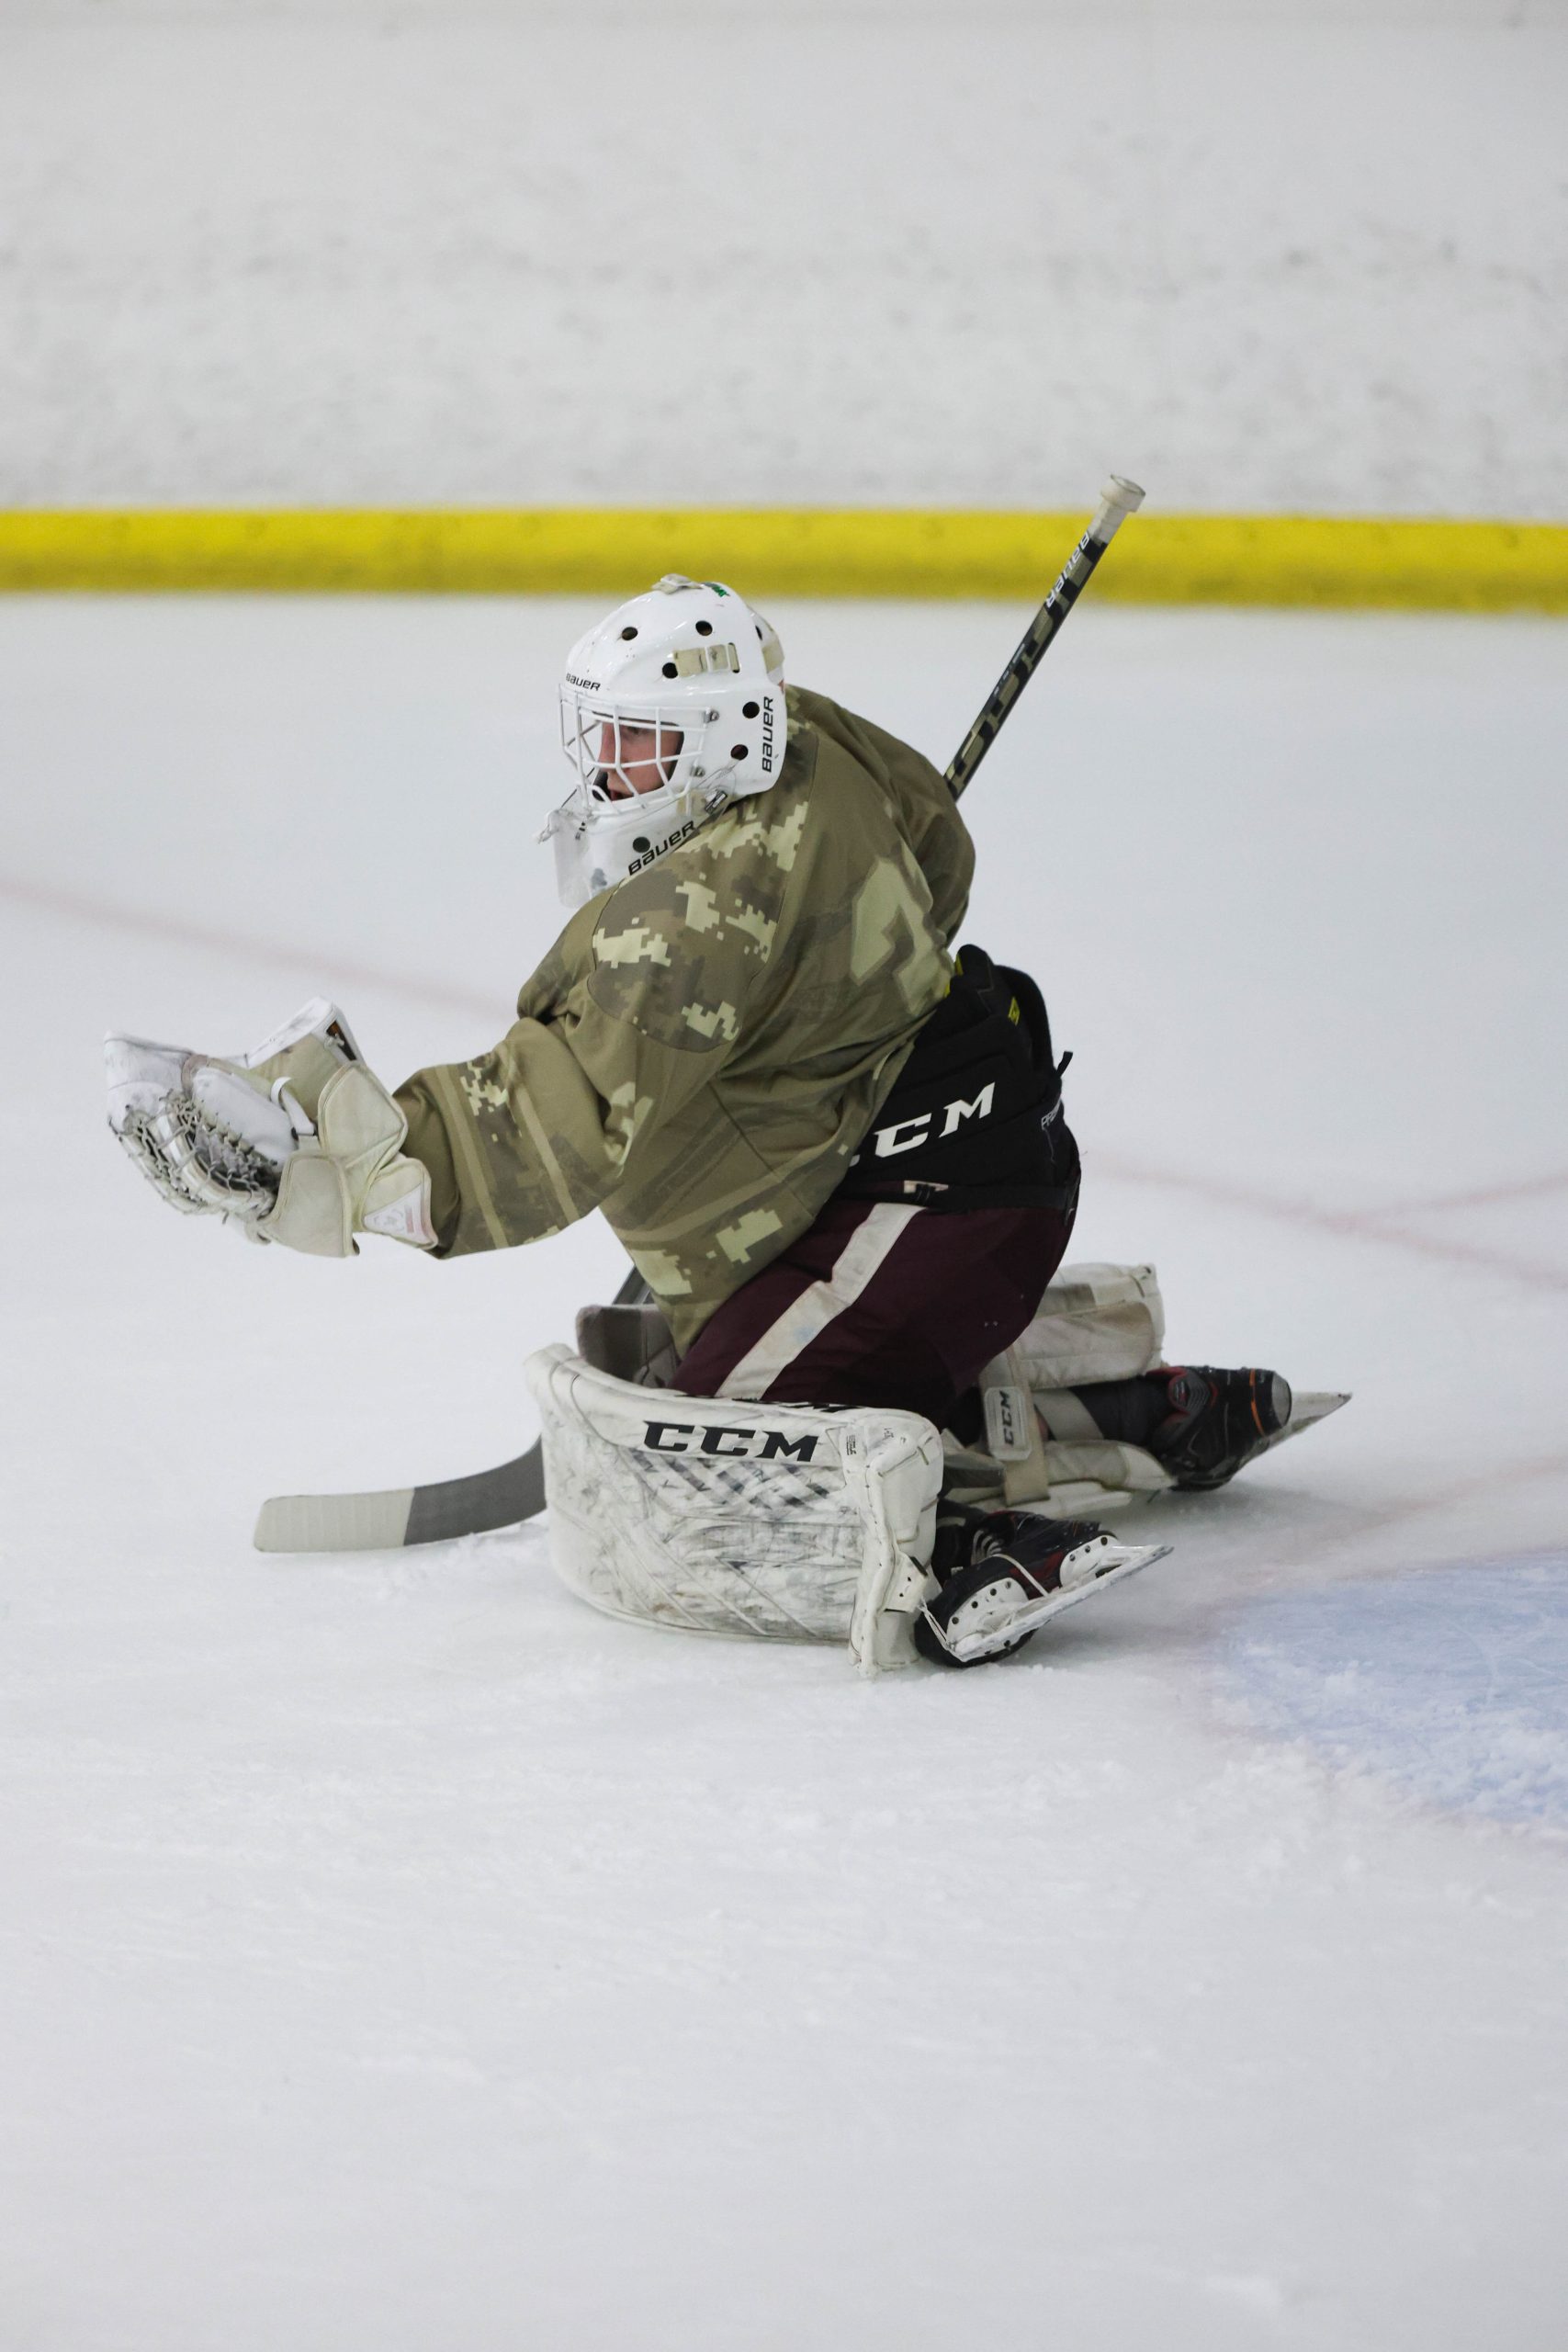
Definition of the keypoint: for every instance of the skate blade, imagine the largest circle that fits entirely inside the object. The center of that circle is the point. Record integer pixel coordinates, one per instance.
(1309, 1407)
(1132, 1557)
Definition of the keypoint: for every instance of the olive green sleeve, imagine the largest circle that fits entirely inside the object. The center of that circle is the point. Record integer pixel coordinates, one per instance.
(427, 1143)
(527, 1138)
(633, 1014)
(516, 1141)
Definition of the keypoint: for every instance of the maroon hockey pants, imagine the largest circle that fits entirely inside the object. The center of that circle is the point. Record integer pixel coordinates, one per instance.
(880, 1304)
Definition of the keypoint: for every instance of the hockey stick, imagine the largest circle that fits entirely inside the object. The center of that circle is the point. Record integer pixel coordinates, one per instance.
(514, 1490)
(1117, 501)
(402, 1515)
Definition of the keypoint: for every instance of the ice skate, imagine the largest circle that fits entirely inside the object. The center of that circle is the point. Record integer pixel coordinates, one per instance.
(1004, 1574)
(1217, 1421)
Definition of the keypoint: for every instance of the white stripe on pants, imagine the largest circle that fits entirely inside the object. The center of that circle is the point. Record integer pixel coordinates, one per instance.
(810, 1313)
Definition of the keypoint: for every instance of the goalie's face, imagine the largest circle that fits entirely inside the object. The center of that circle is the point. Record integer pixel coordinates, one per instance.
(636, 758)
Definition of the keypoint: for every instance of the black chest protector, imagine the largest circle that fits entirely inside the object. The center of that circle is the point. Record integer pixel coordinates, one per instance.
(974, 1119)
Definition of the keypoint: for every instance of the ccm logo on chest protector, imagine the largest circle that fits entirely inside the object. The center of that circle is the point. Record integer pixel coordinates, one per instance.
(757, 1445)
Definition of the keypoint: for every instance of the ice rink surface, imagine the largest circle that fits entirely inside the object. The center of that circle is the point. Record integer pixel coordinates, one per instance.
(399, 1956)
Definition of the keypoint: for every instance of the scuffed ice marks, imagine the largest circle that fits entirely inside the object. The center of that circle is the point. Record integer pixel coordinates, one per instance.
(1451, 1682)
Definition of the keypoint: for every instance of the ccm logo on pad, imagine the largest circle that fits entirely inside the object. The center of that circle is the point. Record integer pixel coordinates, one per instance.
(755, 1445)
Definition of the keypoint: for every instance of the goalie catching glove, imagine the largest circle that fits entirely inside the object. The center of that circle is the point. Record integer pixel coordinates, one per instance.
(297, 1142)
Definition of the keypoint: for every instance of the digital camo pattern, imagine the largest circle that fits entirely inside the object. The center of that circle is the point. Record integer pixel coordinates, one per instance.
(703, 1047)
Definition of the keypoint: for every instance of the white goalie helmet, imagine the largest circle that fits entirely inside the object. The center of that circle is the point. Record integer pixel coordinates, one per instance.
(671, 708)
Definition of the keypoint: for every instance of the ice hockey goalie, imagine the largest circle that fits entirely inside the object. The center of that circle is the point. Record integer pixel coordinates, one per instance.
(863, 1402)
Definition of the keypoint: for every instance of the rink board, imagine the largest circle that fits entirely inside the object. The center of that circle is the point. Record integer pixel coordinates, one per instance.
(1346, 561)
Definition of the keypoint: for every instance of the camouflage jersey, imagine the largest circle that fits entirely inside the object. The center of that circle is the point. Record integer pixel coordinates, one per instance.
(706, 1046)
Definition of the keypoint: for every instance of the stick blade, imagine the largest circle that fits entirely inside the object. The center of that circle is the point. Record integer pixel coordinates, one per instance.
(403, 1515)
(375, 1522)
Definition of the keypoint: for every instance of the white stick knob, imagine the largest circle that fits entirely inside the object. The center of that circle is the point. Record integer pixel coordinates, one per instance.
(1119, 499)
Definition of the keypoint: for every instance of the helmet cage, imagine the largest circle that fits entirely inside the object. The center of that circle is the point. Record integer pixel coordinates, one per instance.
(649, 750)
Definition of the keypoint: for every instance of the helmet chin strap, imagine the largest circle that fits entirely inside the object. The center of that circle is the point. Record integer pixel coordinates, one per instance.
(575, 814)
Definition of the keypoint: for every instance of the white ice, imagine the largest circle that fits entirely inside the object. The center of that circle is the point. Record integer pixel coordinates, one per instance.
(398, 1956)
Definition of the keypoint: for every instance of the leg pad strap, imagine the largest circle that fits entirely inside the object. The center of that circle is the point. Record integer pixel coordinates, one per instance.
(1096, 1322)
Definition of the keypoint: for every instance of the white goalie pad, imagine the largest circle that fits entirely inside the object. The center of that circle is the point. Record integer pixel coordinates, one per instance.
(777, 1522)
(1095, 1322)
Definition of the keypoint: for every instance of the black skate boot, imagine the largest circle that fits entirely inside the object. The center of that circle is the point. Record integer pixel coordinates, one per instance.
(1005, 1572)
(1216, 1420)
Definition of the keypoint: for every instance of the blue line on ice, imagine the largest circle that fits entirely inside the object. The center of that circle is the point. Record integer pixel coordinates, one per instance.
(1451, 1682)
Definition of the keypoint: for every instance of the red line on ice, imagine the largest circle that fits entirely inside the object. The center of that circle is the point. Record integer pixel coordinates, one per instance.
(177, 932)
(1353, 1225)
(1528, 1188)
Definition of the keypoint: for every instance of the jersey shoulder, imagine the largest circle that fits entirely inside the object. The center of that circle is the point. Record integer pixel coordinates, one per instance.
(887, 798)
(891, 764)
(677, 950)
